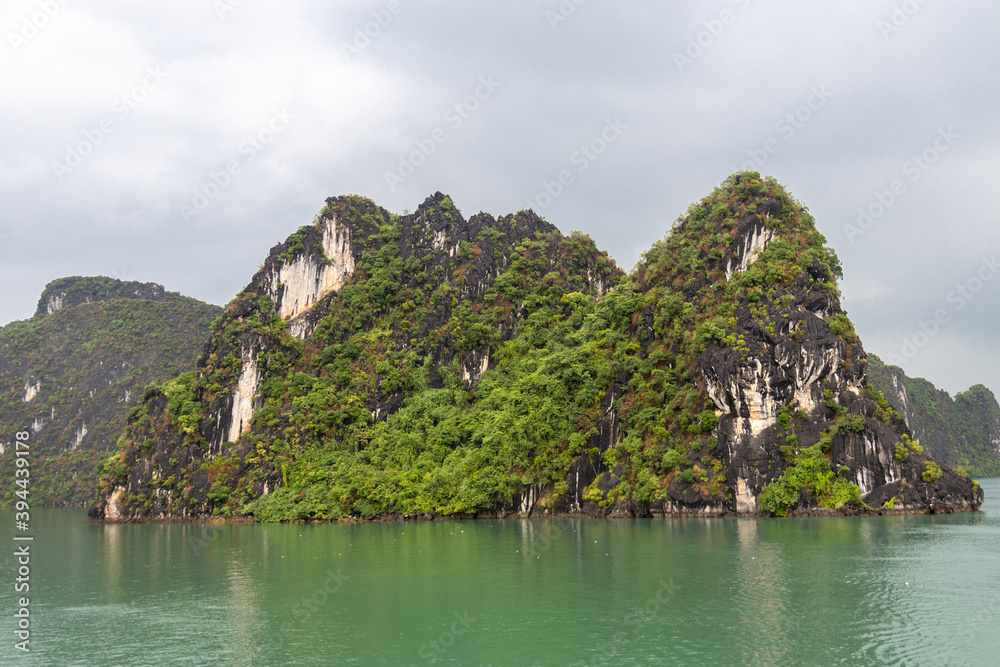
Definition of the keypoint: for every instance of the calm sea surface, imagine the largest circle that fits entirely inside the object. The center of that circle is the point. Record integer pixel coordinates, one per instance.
(913, 590)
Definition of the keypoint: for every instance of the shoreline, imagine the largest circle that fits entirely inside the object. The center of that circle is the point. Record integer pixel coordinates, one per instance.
(483, 516)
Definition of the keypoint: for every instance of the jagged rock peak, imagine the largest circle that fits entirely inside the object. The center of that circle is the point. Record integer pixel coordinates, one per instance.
(437, 201)
(438, 217)
(74, 290)
(319, 259)
(727, 231)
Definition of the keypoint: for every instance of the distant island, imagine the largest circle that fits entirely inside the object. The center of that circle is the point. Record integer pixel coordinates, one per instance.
(70, 374)
(963, 432)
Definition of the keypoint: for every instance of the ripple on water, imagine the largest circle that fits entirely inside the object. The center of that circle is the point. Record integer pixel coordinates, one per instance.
(874, 590)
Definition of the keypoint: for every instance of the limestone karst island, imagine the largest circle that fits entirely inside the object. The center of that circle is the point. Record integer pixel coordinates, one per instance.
(428, 365)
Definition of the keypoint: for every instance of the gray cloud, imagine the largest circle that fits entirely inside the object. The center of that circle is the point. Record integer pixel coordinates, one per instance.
(119, 211)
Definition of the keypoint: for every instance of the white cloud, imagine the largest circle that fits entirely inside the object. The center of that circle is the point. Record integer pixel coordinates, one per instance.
(354, 117)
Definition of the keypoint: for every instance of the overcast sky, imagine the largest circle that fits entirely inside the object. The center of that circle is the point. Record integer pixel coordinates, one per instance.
(177, 142)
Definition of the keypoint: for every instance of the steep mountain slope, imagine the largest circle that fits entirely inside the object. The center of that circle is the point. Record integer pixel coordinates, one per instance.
(963, 432)
(771, 356)
(379, 365)
(70, 374)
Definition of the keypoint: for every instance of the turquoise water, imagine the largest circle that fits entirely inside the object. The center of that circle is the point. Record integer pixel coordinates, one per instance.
(914, 590)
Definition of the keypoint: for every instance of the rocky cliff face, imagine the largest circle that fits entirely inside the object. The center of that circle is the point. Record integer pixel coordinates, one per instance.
(788, 358)
(427, 364)
(778, 374)
(376, 307)
(962, 432)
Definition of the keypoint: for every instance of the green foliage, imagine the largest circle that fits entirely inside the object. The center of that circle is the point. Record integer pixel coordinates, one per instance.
(57, 478)
(932, 472)
(842, 326)
(593, 494)
(296, 245)
(905, 447)
(884, 412)
(181, 402)
(847, 424)
(712, 331)
(901, 452)
(707, 421)
(784, 417)
(687, 476)
(811, 471)
(441, 454)
(288, 505)
(219, 493)
(674, 459)
(21, 337)
(832, 404)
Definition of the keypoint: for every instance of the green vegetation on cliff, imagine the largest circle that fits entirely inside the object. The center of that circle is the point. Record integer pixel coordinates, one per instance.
(399, 337)
(810, 470)
(488, 375)
(450, 450)
(76, 290)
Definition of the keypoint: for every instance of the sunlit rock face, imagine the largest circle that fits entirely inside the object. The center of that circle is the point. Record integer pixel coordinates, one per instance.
(243, 397)
(296, 285)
